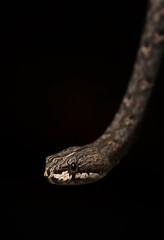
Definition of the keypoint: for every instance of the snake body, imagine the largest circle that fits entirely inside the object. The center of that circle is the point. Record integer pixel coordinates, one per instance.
(85, 164)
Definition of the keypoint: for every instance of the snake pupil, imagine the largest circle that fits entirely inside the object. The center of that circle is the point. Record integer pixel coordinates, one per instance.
(73, 167)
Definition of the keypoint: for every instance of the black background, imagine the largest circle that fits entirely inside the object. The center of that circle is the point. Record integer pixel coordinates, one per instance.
(64, 71)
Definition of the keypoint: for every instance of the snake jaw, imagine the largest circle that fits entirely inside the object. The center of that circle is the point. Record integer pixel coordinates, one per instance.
(66, 178)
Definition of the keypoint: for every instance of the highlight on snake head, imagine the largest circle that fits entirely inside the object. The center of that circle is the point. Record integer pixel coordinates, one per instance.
(76, 165)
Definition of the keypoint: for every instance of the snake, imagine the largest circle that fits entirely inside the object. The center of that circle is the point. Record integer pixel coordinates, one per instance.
(89, 163)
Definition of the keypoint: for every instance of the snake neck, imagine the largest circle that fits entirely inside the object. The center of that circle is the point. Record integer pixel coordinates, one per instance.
(118, 137)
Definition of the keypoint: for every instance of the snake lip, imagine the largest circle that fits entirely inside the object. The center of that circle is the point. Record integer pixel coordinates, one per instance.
(57, 182)
(65, 178)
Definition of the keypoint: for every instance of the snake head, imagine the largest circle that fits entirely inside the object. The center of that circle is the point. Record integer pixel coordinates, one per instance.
(76, 165)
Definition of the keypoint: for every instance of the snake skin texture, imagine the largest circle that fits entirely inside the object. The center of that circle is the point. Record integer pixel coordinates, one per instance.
(89, 163)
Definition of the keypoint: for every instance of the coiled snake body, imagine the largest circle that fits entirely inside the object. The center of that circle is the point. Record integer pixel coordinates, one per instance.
(85, 164)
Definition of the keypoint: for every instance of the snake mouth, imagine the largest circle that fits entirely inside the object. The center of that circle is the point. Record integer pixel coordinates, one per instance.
(65, 178)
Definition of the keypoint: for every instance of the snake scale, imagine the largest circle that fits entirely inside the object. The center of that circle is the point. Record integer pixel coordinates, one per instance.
(91, 162)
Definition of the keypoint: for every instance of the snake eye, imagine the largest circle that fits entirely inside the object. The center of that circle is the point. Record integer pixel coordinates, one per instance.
(73, 167)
